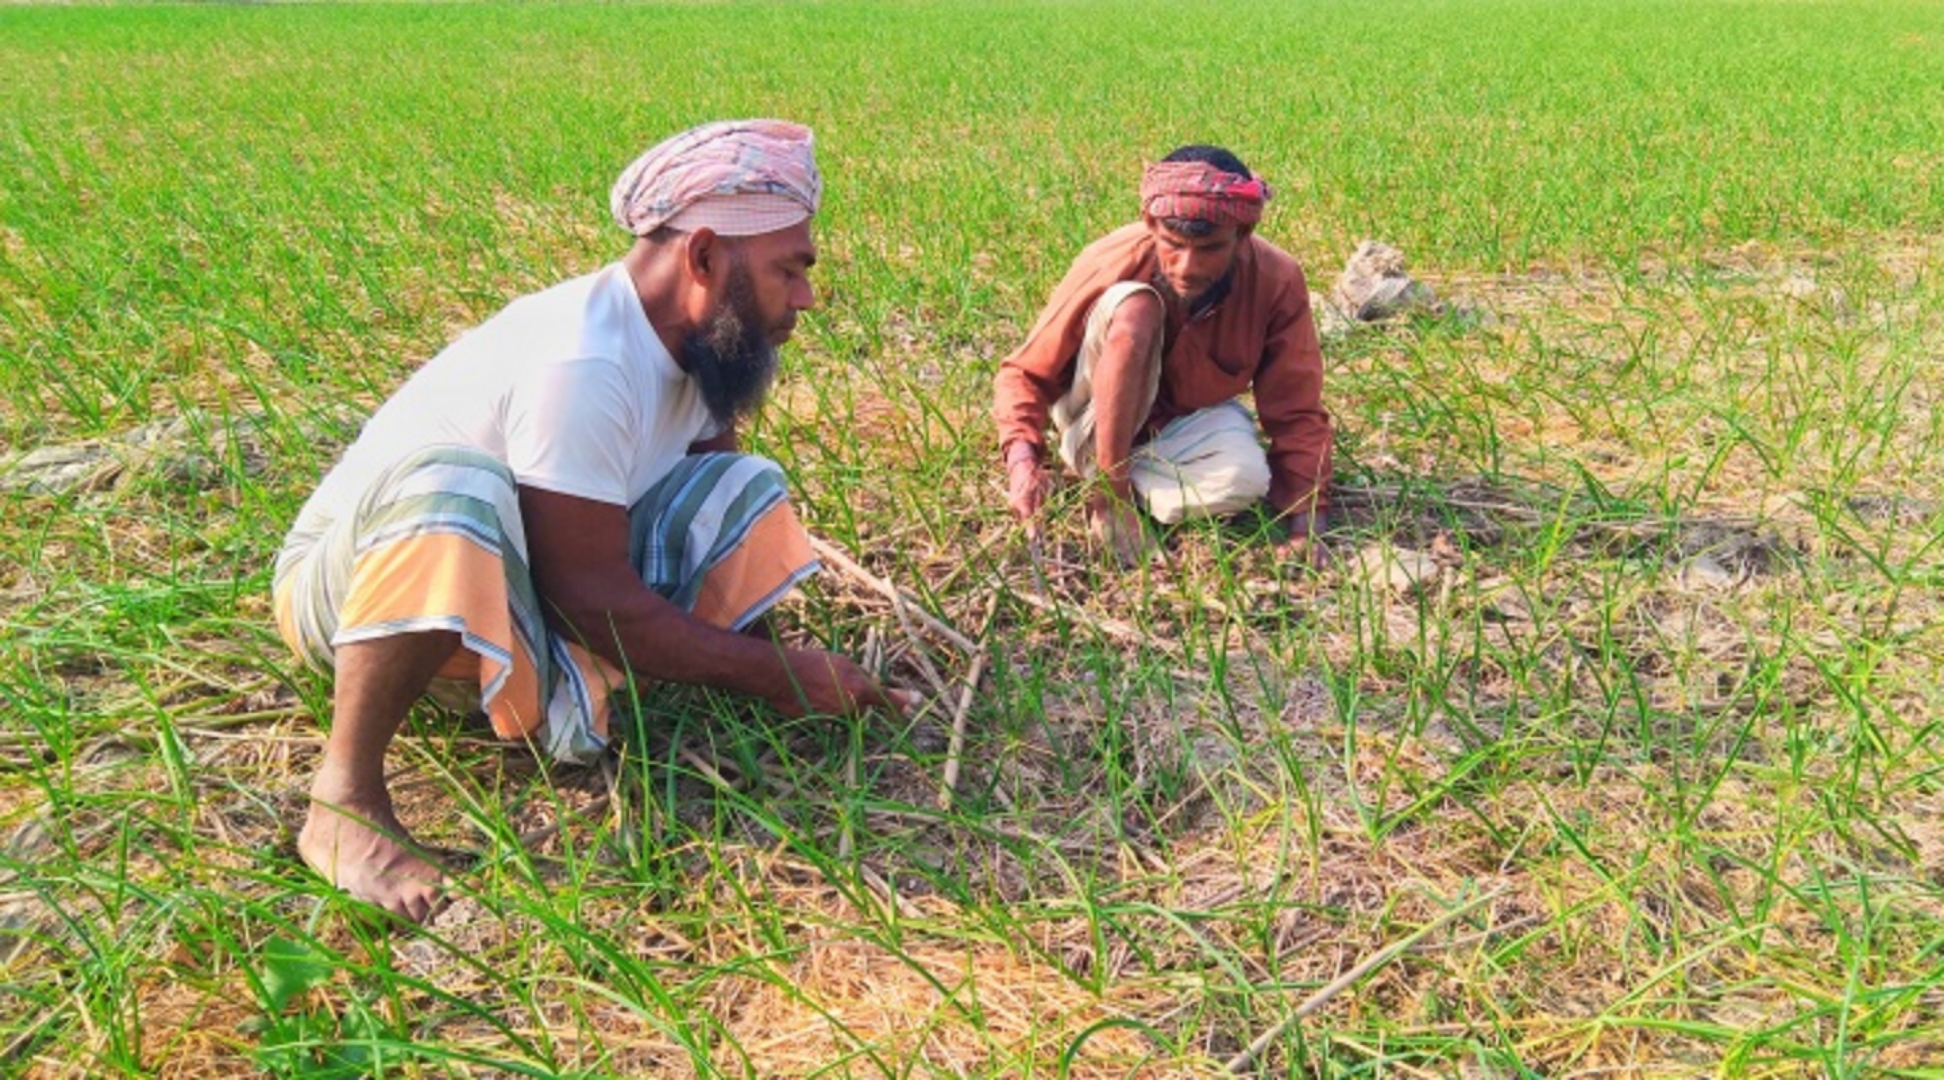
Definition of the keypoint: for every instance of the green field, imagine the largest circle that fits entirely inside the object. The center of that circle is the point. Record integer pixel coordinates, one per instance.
(1652, 748)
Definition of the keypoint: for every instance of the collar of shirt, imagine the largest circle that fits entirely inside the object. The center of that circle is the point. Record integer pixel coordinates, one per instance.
(1201, 307)
(1205, 304)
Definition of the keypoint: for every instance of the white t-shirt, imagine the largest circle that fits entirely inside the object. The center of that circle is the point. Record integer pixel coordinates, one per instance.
(570, 387)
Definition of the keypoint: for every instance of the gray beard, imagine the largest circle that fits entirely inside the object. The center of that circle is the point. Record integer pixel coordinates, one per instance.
(730, 357)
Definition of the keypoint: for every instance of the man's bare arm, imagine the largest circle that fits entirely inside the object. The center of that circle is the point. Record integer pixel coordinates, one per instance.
(577, 550)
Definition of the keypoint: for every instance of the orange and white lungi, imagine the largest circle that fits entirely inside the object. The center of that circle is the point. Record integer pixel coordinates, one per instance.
(437, 543)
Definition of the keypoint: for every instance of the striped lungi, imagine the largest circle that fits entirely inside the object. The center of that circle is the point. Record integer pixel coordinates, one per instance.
(437, 543)
(1208, 462)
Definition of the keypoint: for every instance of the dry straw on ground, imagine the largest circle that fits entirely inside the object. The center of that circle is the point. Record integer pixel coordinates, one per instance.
(1171, 856)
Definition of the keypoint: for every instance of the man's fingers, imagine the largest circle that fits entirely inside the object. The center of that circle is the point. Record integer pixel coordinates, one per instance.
(860, 690)
(892, 697)
(1027, 508)
(1027, 491)
(899, 701)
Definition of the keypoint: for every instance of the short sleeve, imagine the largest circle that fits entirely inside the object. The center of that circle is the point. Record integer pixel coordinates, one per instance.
(570, 429)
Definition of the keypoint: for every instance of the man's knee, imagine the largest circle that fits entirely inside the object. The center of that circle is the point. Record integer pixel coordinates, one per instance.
(707, 471)
(423, 483)
(1229, 475)
(1241, 477)
(719, 477)
(737, 461)
(1251, 481)
(764, 468)
(748, 472)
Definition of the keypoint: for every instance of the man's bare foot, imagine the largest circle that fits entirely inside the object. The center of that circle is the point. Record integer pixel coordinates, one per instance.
(362, 849)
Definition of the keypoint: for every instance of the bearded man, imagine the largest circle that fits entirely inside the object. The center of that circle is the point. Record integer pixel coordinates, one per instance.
(552, 508)
(1140, 356)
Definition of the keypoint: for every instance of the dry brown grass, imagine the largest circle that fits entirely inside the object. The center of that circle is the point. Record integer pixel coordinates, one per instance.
(1155, 858)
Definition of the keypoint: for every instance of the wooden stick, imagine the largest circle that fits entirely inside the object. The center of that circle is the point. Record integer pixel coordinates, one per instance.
(872, 655)
(948, 786)
(836, 557)
(704, 769)
(876, 883)
(1112, 627)
(535, 837)
(918, 658)
(1344, 981)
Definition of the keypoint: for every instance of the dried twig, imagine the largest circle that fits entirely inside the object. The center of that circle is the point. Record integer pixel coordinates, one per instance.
(836, 557)
(949, 784)
(1349, 978)
(923, 663)
(1643, 525)
(704, 769)
(871, 656)
(1127, 632)
(886, 894)
(533, 838)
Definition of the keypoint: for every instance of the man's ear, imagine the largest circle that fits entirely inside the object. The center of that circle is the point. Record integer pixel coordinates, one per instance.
(702, 254)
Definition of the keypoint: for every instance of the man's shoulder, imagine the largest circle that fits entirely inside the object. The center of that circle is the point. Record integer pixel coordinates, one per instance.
(571, 294)
(1275, 277)
(581, 316)
(1122, 255)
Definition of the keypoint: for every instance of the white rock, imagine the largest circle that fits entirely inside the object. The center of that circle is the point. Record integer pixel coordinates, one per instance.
(1382, 566)
(1374, 285)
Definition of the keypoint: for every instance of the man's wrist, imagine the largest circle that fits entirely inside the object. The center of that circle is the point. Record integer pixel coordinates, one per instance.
(1019, 452)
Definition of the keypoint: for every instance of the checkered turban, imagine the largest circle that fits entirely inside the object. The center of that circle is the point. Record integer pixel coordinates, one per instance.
(1200, 191)
(737, 177)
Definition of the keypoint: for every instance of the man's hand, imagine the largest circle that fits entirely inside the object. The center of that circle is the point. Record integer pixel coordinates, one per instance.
(827, 684)
(579, 555)
(1027, 485)
(1116, 526)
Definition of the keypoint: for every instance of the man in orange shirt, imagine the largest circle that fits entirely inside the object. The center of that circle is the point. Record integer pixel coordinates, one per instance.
(1140, 357)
